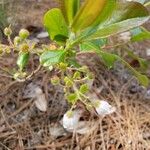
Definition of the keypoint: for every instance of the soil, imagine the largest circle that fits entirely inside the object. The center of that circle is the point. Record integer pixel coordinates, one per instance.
(23, 126)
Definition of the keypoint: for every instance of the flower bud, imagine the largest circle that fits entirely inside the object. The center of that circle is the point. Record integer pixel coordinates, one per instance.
(17, 40)
(77, 75)
(55, 80)
(24, 33)
(63, 66)
(24, 48)
(103, 108)
(7, 31)
(68, 82)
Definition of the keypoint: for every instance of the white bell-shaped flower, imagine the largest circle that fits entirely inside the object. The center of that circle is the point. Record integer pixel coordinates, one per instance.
(70, 120)
(104, 108)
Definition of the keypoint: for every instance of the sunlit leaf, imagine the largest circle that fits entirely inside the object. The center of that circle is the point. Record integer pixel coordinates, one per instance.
(70, 9)
(88, 14)
(55, 24)
(108, 9)
(121, 19)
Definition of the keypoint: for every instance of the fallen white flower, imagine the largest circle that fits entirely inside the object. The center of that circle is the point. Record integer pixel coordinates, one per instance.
(71, 123)
(40, 100)
(104, 108)
(34, 91)
(70, 120)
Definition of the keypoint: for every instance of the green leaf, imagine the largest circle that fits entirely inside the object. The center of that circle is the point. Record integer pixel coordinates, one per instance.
(109, 59)
(56, 26)
(84, 88)
(118, 28)
(108, 9)
(121, 19)
(22, 60)
(72, 98)
(70, 9)
(52, 57)
(87, 14)
(91, 45)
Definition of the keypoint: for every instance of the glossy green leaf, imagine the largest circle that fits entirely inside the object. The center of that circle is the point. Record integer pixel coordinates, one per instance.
(55, 24)
(52, 57)
(87, 14)
(121, 19)
(70, 9)
(22, 60)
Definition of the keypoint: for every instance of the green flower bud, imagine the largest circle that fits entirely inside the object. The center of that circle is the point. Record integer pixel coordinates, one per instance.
(89, 107)
(7, 31)
(63, 66)
(77, 75)
(17, 40)
(7, 50)
(55, 80)
(24, 33)
(68, 82)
